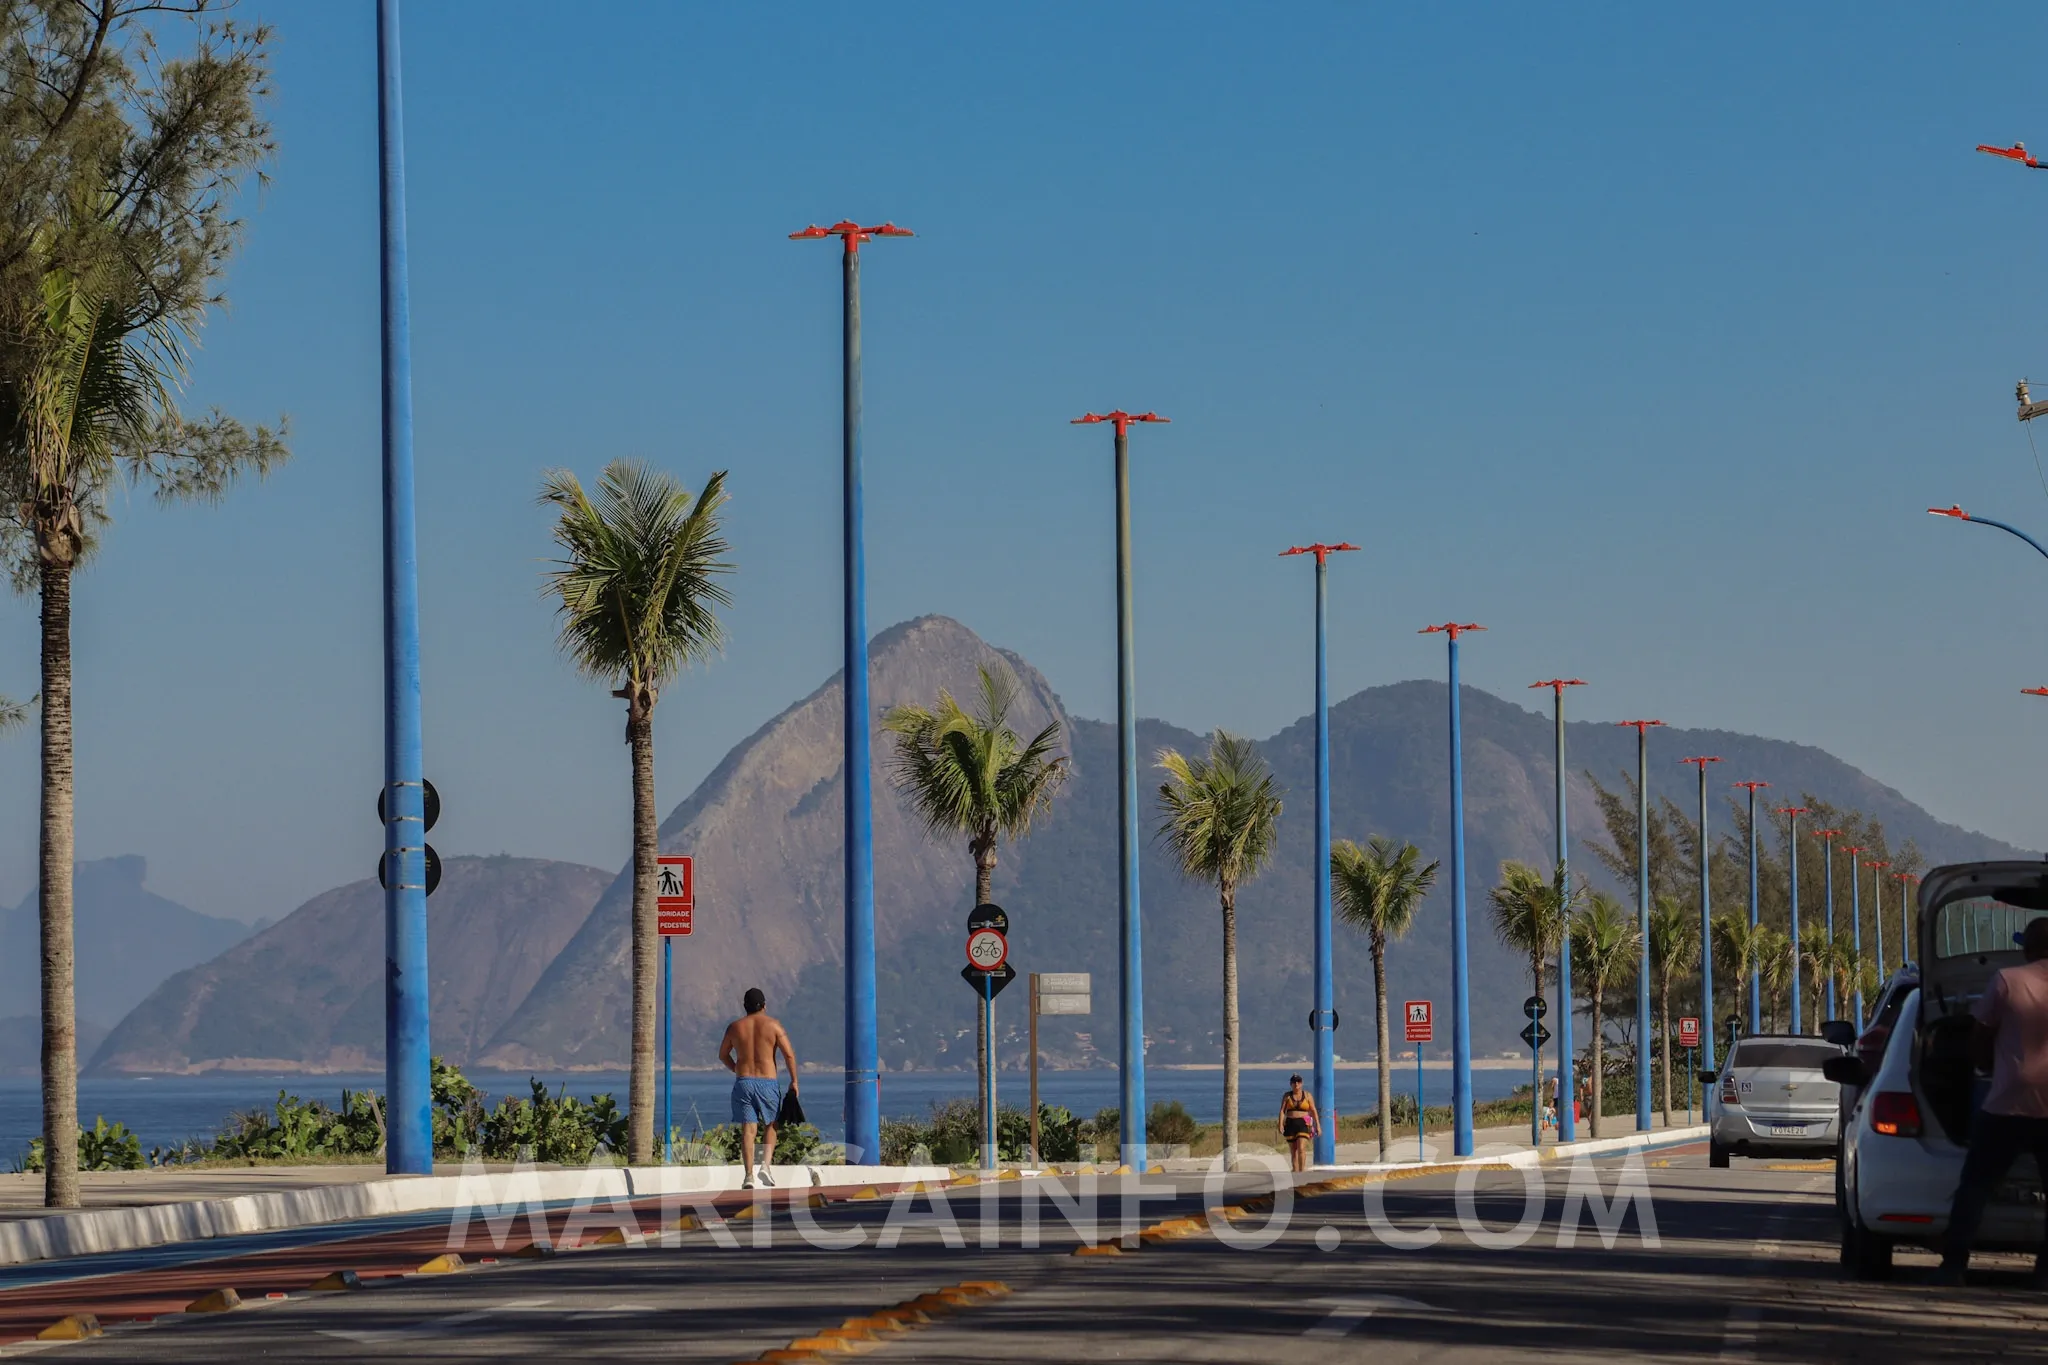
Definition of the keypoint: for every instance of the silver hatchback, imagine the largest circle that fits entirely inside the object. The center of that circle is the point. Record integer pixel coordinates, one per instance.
(1771, 1098)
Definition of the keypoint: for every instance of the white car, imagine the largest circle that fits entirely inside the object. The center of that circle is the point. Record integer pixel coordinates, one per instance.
(1903, 1147)
(1774, 1098)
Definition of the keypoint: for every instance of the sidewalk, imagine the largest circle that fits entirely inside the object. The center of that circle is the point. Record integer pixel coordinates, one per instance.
(1436, 1143)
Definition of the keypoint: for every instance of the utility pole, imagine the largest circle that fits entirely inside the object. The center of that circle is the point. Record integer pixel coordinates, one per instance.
(1828, 837)
(1856, 922)
(1461, 1004)
(1322, 1017)
(1567, 1120)
(1792, 858)
(863, 1071)
(1642, 729)
(1706, 924)
(1877, 913)
(1756, 982)
(1130, 974)
(1906, 881)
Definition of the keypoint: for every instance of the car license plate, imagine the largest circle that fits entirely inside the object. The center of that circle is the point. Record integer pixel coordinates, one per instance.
(2019, 1192)
(1788, 1130)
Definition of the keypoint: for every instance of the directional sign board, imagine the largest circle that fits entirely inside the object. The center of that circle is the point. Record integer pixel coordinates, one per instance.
(1419, 1030)
(1688, 1032)
(987, 949)
(1063, 992)
(1535, 1007)
(675, 894)
(1535, 1035)
(997, 979)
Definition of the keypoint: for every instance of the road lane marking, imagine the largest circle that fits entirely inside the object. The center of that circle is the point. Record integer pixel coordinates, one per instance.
(1745, 1320)
(1346, 1314)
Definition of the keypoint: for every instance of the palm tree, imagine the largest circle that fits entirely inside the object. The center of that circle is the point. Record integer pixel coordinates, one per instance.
(95, 364)
(1530, 915)
(1774, 958)
(1221, 814)
(1603, 947)
(637, 586)
(972, 775)
(1377, 889)
(1738, 945)
(13, 713)
(1674, 948)
(1817, 956)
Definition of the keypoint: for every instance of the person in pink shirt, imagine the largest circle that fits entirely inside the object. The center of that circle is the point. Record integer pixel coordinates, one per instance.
(2010, 1041)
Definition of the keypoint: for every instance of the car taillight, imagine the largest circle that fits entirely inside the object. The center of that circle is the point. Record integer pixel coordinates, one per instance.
(1895, 1113)
(1728, 1092)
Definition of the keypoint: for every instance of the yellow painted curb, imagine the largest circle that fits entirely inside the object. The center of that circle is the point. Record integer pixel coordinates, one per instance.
(610, 1237)
(532, 1251)
(1012, 1174)
(816, 1201)
(815, 1345)
(866, 1192)
(879, 1322)
(689, 1222)
(217, 1301)
(336, 1281)
(750, 1211)
(72, 1327)
(445, 1264)
(1800, 1166)
(992, 1288)
(1098, 1249)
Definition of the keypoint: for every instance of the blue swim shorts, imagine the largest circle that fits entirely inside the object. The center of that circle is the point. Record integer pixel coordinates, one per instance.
(755, 1099)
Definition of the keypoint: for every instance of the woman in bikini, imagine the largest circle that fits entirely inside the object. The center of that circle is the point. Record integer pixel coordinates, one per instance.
(1298, 1120)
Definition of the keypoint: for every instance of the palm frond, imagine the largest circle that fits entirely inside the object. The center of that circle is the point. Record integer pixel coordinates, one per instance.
(971, 774)
(1220, 811)
(638, 581)
(1377, 889)
(1528, 909)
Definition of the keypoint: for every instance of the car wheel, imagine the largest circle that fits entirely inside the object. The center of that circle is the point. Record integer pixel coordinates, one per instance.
(1717, 1156)
(1867, 1255)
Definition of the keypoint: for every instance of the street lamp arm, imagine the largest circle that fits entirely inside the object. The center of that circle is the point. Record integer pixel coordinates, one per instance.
(2017, 152)
(1960, 515)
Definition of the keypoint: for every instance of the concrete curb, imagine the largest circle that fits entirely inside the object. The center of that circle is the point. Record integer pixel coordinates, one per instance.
(1519, 1157)
(96, 1231)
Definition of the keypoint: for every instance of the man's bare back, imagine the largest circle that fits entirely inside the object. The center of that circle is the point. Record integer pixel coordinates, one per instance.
(752, 1044)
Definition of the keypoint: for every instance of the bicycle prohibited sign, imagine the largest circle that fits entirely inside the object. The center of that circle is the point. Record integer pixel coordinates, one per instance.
(987, 950)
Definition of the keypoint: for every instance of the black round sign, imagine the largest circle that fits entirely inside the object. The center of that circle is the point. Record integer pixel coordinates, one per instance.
(989, 916)
(432, 800)
(433, 870)
(1535, 1007)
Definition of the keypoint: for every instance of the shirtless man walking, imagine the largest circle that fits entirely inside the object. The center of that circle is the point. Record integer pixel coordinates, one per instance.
(749, 1050)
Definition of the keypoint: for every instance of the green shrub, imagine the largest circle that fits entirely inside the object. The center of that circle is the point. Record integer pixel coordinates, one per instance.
(102, 1147)
(1171, 1124)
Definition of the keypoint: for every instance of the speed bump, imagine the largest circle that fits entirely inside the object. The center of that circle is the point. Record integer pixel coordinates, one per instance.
(336, 1281)
(215, 1301)
(447, 1263)
(72, 1327)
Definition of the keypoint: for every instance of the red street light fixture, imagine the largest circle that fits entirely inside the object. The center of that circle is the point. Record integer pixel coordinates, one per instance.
(2017, 152)
(1123, 422)
(1320, 551)
(2034, 691)
(851, 233)
(1955, 511)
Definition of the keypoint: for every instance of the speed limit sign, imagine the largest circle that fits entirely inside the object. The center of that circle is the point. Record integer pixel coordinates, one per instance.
(987, 949)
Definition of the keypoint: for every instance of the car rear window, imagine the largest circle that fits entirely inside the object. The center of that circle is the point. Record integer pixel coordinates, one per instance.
(1807, 1056)
(1966, 928)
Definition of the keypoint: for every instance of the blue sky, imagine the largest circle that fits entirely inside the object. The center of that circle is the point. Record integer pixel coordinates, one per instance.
(1642, 336)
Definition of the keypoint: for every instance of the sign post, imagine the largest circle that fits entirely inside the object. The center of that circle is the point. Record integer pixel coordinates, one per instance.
(988, 958)
(1688, 1038)
(675, 901)
(1419, 1031)
(1052, 993)
(1535, 1007)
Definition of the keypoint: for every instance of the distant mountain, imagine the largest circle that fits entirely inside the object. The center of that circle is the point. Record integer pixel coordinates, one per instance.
(766, 829)
(127, 941)
(307, 993)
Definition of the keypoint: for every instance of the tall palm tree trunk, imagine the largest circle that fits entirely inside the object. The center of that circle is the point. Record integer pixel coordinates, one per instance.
(1664, 1040)
(984, 892)
(646, 928)
(1229, 898)
(1379, 994)
(60, 1027)
(1598, 1015)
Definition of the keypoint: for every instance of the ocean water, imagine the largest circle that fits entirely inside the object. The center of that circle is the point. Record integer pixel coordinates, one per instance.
(166, 1110)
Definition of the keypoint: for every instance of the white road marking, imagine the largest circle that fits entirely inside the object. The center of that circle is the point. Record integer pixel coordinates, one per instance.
(1745, 1320)
(1346, 1314)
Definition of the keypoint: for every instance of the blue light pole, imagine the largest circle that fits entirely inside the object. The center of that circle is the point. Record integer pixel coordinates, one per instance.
(1827, 838)
(1906, 881)
(1130, 961)
(1642, 728)
(863, 1112)
(1567, 1121)
(1706, 931)
(668, 1037)
(408, 1080)
(1792, 860)
(1322, 1019)
(1856, 923)
(1461, 1004)
(1877, 910)
(1756, 980)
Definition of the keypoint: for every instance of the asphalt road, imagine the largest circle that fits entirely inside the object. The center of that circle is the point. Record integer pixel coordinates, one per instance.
(1734, 1264)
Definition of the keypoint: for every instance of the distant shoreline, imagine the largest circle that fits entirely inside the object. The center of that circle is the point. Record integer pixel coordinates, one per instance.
(809, 1069)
